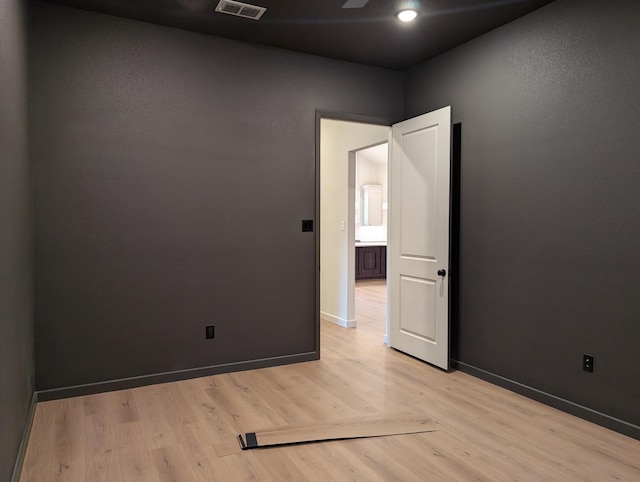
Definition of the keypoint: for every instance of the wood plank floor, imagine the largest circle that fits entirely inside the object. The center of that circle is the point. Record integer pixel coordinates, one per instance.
(181, 431)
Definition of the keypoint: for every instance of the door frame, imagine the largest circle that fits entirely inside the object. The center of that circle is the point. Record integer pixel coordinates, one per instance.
(341, 116)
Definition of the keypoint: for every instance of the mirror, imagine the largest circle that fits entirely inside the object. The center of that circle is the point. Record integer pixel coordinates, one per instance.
(372, 205)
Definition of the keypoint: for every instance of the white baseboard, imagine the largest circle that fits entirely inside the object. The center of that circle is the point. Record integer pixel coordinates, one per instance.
(338, 321)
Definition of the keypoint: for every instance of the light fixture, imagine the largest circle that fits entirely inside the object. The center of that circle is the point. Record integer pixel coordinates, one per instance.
(407, 15)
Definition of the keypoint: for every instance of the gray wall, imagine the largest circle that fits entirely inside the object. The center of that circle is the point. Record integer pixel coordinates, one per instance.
(16, 338)
(172, 171)
(550, 231)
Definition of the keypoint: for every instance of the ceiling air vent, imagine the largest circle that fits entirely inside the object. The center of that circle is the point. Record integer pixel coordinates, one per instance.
(240, 9)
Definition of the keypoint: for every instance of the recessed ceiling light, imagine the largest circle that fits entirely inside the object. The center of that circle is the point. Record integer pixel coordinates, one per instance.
(407, 15)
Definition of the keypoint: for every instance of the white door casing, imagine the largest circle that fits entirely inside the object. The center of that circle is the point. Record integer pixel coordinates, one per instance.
(419, 192)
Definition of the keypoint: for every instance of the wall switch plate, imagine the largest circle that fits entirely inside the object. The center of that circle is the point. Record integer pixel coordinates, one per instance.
(587, 363)
(307, 225)
(210, 332)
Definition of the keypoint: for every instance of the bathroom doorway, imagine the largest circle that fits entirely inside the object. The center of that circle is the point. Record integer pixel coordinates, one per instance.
(370, 205)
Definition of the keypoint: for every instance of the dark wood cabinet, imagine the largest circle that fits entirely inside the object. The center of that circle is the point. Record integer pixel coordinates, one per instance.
(371, 262)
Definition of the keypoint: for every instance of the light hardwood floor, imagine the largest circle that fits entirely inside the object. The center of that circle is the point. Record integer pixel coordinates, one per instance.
(181, 431)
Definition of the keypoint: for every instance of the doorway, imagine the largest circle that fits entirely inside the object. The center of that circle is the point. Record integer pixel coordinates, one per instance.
(340, 141)
(370, 204)
(419, 291)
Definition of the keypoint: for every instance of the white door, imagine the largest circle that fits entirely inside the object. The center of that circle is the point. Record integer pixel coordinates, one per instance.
(418, 261)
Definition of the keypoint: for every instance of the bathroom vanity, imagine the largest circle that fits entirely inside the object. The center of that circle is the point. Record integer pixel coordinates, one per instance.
(371, 260)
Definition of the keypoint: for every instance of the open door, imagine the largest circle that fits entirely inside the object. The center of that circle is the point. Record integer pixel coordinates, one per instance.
(418, 264)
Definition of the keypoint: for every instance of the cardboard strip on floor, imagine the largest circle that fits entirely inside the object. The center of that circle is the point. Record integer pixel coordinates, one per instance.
(324, 431)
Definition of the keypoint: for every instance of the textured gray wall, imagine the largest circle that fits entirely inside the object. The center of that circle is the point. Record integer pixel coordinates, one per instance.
(172, 171)
(550, 231)
(16, 338)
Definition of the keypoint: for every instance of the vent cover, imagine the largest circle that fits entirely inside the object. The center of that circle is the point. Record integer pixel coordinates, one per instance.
(240, 9)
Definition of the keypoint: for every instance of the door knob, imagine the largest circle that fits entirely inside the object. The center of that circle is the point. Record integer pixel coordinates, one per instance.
(442, 272)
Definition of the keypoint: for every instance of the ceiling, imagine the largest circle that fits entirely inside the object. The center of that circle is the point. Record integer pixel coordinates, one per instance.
(369, 35)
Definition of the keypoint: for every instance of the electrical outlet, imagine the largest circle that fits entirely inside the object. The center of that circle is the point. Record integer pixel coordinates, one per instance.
(210, 332)
(587, 363)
